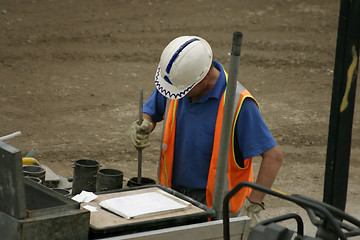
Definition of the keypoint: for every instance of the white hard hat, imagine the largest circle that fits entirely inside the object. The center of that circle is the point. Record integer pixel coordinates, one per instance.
(184, 62)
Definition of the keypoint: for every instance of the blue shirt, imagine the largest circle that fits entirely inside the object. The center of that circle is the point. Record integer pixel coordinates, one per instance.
(195, 127)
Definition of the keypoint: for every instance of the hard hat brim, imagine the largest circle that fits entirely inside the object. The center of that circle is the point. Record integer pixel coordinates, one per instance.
(168, 90)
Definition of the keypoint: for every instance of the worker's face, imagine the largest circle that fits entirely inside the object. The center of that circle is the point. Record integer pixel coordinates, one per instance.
(199, 88)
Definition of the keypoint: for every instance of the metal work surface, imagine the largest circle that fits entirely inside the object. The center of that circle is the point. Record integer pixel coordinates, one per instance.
(104, 223)
(199, 231)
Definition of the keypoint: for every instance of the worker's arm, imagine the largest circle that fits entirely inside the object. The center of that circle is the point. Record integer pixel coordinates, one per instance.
(270, 165)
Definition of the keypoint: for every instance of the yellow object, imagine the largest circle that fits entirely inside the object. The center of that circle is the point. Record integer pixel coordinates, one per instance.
(30, 161)
(350, 78)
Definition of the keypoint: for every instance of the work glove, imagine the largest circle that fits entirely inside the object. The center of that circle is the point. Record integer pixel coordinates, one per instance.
(252, 210)
(139, 134)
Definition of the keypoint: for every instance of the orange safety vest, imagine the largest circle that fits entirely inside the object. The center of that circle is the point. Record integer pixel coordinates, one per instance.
(235, 174)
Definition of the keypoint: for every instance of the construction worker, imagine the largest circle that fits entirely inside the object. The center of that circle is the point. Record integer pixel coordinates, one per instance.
(189, 94)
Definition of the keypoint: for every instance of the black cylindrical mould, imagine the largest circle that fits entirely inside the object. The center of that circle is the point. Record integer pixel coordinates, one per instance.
(85, 171)
(109, 179)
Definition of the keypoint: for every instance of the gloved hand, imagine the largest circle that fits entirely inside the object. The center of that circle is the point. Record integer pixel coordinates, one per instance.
(139, 134)
(251, 210)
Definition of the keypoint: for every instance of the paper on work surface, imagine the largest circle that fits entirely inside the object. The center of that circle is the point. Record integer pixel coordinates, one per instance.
(84, 196)
(90, 208)
(143, 204)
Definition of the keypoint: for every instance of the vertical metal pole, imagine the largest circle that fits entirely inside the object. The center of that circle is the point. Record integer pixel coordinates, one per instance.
(140, 122)
(342, 104)
(221, 169)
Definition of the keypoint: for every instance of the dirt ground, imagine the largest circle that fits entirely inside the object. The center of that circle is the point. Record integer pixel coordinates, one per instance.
(71, 73)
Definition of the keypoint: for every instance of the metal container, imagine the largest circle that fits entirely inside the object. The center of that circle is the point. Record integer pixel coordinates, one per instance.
(85, 171)
(109, 179)
(34, 171)
(35, 179)
(62, 191)
(144, 181)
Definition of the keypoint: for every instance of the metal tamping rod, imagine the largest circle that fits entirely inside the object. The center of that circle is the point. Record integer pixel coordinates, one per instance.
(140, 122)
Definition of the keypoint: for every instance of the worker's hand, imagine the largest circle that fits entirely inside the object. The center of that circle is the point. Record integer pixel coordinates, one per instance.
(139, 134)
(251, 210)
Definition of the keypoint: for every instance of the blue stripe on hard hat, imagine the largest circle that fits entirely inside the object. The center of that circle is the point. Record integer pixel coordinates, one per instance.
(167, 79)
(176, 54)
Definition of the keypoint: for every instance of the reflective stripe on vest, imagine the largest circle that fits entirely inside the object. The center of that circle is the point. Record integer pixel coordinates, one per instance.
(235, 173)
(167, 146)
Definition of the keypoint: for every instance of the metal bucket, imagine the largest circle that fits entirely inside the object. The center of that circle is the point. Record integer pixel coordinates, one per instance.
(62, 191)
(133, 182)
(34, 171)
(85, 171)
(109, 179)
(35, 179)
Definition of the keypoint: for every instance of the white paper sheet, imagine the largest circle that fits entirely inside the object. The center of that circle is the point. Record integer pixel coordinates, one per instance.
(84, 196)
(143, 204)
(90, 208)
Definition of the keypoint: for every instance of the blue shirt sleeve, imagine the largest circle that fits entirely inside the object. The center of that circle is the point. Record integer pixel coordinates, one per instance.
(155, 106)
(253, 136)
